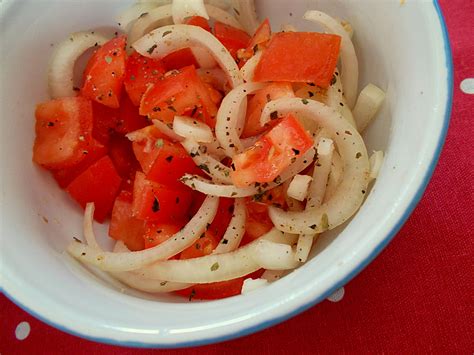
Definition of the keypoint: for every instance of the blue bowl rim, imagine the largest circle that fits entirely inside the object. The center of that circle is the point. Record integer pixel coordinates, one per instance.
(378, 249)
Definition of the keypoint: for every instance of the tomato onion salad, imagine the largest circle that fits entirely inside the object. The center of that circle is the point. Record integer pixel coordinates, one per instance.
(219, 149)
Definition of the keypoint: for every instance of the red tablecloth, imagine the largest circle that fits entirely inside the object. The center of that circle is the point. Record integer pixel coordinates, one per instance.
(416, 297)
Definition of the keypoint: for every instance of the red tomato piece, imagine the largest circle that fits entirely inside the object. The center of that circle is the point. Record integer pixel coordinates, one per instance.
(232, 38)
(198, 21)
(203, 246)
(95, 151)
(175, 94)
(179, 59)
(129, 117)
(157, 233)
(123, 226)
(222, 219)
(106, 120)
(299, 57)
(63, 132)
(139, 73)
(104, 74)
(214, 290)
(272, 153)
(121, 154)
(159, 203)
(258, 41)
(258, 222)
(257, 103)
(100, 183)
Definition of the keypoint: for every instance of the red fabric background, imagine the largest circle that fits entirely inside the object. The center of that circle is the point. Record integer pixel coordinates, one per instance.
(416, 297)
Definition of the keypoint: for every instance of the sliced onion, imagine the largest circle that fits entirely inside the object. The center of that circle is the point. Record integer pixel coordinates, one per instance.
(246, 14)
(212, 167)
(223, 4)
(248, 70)
(214, 149)
(160, 16)
(87, 226)
(335, 176)
(305, 242)
(368, 103)
(222, 267)
(127, 17)
(298, 188)
(229, 115)
(376, 160)
(204, 58)
(188, 127)
(110, 261)
(61, 65)
(336, 100)
(209, 188)
(250, 285)
(181, 9)
(236, 229)
(168, 39)
(350, 66)
(349, 196)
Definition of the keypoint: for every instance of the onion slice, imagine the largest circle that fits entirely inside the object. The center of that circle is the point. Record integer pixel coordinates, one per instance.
(350, 65)
(229, 115)
(110, 261)
(188, 127)
(181, 9)
(248, 70)
(61, 66)
(336, 100)
(349, 196)
(160, 16)
(368, 103)
(168, 39)
(376, 160)
(236, 229)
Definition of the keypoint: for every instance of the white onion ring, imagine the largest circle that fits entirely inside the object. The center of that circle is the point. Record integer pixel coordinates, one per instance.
(190, 128)
(212, 167)
(160, 16)
(236, 229)
(335, 176)
(248, 70)
(61, 65)
(168, 39)
(209, 188)
(376, 160)
(246, 14)
(350, 66)
(181, 9)
(368, 103)
(334, 99)
(167, 131)
(110, 261)
(229, 115)
(349, 196)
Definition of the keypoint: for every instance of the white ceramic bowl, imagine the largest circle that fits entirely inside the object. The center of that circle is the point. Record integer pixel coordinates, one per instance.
(402, 48)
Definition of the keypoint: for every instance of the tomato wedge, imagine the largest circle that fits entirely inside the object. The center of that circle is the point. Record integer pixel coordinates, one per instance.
(99, 183)
(258, 41)
(179, 59)
(299, 57)
(159, 203)
(232, 38)
(157, 233)
(121, 154)
(63, 132)
(106, 120)
(104, 74)
(177, 93)
(123, 226)
(256, 104)
(258, 222)
(139, 73)
(203, 246)
(198, 21)
(272, 153)
(214, 290)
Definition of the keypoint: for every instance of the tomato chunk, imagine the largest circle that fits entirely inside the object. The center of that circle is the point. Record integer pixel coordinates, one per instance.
(175, 94)
(123, 226)
(100, 183)
(159, 203)
(214, 290)
(198, 21)
(272, 153)
(121, 154)
(106, 120)
(257, 103)
(223, 216)
(95, 151)
(63, 132)
(203, 246)
(104, 74)
(299, 57)
(129, 119)
(179, 59)
(157, 233)
(139, 73)
(258, 41)
(258, 222)
(232, 38)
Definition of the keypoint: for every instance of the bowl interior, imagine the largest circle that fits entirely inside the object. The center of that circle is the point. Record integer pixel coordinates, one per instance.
(39, 219)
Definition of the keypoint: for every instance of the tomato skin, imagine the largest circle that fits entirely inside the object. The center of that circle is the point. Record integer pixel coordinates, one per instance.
(157, 233)
(104, 74)
(256, 104)
(258, 222)
(299, 57)
(232, 38)
(272, 153)
(179, 59)
(95, 151)
(99, 183)
(139, 73)
(175, 94)
(121, 154)
(129, 119)
(198, 21)
(214, 290)
(106, 120)
(159, 203)
(63, 132)
(203, 246)
(123, 226)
